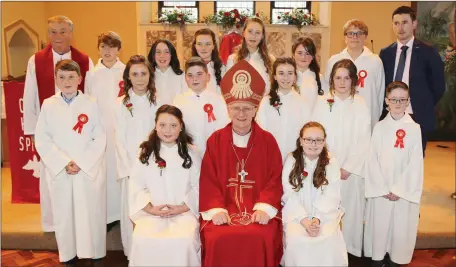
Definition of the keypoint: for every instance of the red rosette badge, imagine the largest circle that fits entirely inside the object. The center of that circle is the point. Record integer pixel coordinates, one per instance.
(400, 134)
(209, 109)
(362, 74)
(121, 88)
(82, 119)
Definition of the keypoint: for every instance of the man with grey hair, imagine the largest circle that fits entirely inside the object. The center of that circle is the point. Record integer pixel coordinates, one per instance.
(40, 84)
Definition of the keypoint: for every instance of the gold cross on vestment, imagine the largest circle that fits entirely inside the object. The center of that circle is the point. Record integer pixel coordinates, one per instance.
(241, 183)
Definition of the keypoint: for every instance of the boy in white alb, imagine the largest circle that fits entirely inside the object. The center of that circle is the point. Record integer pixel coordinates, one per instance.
(105, 83)
(394, 182)
(204, 111)
(71, 142)
(371, 75)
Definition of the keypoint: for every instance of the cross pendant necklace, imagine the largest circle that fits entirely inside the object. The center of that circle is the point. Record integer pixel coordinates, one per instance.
(242, 173)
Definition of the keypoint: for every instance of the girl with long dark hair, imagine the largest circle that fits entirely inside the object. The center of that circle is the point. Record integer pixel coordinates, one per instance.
(205, 46)
(283, 111)
(311, 213)
(134, 119)
(169, 80)
(309, 82)
(163, 195)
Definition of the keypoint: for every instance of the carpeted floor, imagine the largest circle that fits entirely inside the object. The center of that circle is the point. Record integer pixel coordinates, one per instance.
(21, 258)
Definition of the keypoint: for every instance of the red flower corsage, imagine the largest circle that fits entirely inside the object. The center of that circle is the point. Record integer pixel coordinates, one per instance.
(304, 174)
(277, 105)
(129, 106)
(161, 165)
(330, 103)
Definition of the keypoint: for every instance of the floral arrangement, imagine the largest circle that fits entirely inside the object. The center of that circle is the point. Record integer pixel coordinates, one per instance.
(176, 16)
(228, 19)
(232, 18)
(298, 17)
(129, 106)
(277, 105)
(304, 174)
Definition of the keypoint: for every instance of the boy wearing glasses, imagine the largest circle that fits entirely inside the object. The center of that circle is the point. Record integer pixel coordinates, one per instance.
(394, 182)
(71, 142)
(204, 110)
(240, 181)
(371, 76)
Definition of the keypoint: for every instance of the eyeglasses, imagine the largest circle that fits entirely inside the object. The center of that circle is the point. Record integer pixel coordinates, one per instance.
(309, 141)
(398, 101)
(353, 34)
(239, 110)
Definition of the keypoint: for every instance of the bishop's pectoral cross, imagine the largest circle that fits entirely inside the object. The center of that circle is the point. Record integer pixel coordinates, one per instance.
(239, 183)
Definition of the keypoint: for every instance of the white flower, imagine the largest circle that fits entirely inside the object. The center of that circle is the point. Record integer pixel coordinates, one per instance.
(237, 20)
(233, 15)
(179, 19)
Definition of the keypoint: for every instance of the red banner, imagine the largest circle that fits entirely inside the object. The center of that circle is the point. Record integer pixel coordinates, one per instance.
(24, 160)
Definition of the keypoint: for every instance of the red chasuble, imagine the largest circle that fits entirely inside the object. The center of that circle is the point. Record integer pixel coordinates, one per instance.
(228, 44)
(221, 186)
(44, 68)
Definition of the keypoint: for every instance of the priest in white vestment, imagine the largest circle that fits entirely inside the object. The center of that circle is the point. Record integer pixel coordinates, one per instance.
(164, 196)
(312, 212)
(394, 182)
(40, 84)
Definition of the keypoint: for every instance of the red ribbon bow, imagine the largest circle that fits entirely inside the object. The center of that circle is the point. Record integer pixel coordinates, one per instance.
(210, 114)
(82, 119)
(362, 74)
(121, 88)
(400, 134)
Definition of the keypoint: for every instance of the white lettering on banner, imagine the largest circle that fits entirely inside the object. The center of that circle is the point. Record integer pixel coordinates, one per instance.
(26, 144)
(21, 105)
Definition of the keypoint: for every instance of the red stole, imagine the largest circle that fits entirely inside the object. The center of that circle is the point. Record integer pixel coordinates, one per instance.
(44, 68)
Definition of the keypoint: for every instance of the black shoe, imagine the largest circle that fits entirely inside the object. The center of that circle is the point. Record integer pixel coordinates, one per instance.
(111, 225)
(378, 263)
(71, 263)
(98, 262)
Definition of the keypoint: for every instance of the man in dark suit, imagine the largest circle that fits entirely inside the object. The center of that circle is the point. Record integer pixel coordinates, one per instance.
(419, 66)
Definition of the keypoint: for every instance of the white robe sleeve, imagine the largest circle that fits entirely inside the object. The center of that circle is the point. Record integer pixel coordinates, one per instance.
(376, 184)
(292, 207)
(138, 195)
(192, 196)
(88, 83)
(409, 184)
(329, 201)
(91, 160)
(31, 101)
(268, 209)
(354, 162)
(53, 157)
(120, 134)
(261, 117)
(207, 215)
(230, 62)
(380, 84)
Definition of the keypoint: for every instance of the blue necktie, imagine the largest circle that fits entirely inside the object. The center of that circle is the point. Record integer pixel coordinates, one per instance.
(401, 64)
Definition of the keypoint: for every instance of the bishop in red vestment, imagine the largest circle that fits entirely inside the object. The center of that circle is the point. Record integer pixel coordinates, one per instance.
(240, 182)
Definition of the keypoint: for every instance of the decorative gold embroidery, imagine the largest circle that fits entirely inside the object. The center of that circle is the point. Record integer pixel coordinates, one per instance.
(243, 217)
